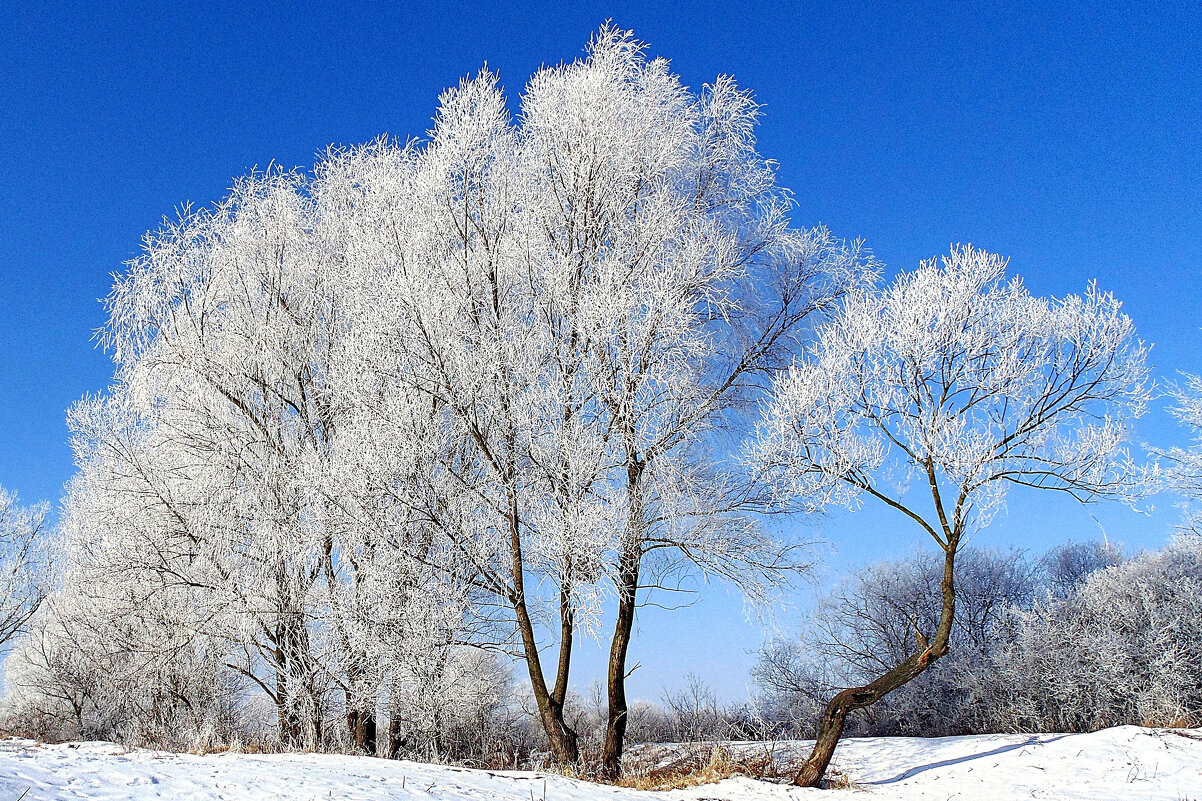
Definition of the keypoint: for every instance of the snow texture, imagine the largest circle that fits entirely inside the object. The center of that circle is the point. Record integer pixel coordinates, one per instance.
(1126, 762)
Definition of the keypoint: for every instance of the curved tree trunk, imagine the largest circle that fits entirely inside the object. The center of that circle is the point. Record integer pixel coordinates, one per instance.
(830, 728)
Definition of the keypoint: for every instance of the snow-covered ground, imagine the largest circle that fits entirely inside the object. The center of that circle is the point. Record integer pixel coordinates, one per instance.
(1125, 763)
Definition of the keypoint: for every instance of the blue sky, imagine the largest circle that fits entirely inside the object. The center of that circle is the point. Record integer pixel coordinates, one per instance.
(1068, 138)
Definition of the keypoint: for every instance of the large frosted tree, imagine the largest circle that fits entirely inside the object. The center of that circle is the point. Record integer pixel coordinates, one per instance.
(688, 289)
(956, 384)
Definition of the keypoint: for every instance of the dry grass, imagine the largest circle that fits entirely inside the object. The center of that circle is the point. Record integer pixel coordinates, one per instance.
(706, 765)
(838, 780)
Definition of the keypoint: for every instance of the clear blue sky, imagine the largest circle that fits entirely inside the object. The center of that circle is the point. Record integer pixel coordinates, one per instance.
(1068, 139)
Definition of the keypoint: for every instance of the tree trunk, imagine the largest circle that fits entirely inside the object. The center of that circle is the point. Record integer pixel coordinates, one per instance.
(561, 738)
(287, 720)
(298, 705)
(360, 711)
(615, 727)
(361, 726)
(291, 723)
(629, 564)
(830, 727)
(394, 738)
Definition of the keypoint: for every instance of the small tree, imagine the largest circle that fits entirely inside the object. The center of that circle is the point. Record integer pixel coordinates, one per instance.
(866, 625)
(965, 383)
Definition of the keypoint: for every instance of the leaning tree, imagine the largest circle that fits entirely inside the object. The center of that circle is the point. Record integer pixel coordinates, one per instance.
(961, 383)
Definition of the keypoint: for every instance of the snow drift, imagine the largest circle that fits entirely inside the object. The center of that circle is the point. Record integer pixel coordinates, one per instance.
(1127, 762)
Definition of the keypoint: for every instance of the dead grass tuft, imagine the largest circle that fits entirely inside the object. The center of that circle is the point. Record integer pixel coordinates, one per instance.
(838, 780)
(705, 765)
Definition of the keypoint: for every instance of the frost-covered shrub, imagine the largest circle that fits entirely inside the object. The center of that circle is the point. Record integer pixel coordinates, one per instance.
(49, 684)
(1063, 568)
(455, 706)
(79, 673)
(1124, 647)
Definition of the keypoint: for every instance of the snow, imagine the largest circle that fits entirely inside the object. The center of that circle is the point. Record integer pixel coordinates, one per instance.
(1127, 763)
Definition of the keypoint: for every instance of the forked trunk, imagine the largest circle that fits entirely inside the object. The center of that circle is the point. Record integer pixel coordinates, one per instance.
(560, 736)
(830, 728)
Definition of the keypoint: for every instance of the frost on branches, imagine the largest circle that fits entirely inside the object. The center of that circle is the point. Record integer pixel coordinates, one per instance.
(1184, 473)
(24, 569)
(962, 384)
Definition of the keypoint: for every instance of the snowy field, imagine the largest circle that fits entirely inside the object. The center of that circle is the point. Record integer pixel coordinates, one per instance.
(1125, 763)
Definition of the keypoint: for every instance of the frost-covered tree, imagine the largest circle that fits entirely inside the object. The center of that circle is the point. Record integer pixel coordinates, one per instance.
(684, 288)
(24, 578)
(964, 384)
(452, 392)
(222, 463)
(210, 444)
(459, 370)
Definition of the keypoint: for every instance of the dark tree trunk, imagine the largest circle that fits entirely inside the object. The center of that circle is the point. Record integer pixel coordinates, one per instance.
(394, 736)
(360, 711)
(560, 736)
(830, 727)
(361, 725)
(629, 564)
(615, 728)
